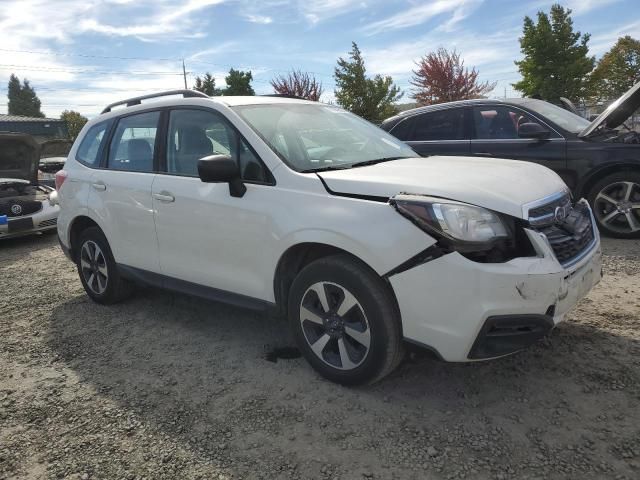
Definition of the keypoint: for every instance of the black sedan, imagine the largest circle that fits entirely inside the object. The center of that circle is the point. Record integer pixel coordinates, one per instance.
(598, 160)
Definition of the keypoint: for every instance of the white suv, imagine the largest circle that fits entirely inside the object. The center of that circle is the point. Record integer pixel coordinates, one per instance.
(277, 202)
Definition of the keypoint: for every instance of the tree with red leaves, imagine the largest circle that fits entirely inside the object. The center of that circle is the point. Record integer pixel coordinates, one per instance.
(441, 77)
(298, 84)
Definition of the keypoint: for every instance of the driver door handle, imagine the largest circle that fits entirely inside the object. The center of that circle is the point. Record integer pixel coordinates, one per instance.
(99, 186)
(164, 197)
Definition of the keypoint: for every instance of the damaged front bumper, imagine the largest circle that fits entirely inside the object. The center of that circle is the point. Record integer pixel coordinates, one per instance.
(465, 311)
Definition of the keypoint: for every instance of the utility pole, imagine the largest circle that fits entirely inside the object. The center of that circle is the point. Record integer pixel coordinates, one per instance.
(184, 74)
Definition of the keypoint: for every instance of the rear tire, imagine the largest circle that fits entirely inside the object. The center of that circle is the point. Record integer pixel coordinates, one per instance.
(616, 204)
(98, 270)
(345, 321)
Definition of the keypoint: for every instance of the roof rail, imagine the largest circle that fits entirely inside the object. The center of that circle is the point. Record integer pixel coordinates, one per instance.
(283, 95)
(137, 100)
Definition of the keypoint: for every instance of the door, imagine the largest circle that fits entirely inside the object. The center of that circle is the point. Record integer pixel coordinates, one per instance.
(206, 236)
(121, 192)
(442, 132)
(495, 134)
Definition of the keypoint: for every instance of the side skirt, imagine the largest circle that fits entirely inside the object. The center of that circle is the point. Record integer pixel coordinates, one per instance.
(152, 279)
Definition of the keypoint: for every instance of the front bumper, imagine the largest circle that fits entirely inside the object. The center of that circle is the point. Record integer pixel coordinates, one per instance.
(468, 311)
(43, 220)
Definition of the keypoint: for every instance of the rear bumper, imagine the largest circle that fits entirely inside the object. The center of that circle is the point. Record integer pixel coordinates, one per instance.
(468, 311)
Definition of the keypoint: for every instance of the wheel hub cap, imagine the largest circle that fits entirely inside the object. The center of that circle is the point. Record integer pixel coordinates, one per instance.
(334, 325)
(93, 266)
(617, 207)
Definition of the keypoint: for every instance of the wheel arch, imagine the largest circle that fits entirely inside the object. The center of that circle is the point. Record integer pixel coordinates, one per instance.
(597, 174)
(77, 226)
(298, 256)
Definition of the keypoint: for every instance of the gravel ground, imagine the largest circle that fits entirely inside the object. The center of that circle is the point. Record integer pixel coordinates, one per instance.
(166, 386)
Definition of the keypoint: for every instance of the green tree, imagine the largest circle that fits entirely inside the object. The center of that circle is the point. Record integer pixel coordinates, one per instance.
(75, 121)
(23, 99)
(238, 83)
(207, 85)
(371, 98)
(617, 71)
(555, 62)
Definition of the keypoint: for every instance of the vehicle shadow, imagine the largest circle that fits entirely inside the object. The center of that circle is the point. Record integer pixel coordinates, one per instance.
(197, 371)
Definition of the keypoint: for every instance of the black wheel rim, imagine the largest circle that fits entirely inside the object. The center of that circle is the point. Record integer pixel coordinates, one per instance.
(617, 207)
(335, 326)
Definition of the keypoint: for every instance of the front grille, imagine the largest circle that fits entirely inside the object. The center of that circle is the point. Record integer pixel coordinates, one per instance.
(48, 223)
(19, 207)
(571, 237)
(545, 213)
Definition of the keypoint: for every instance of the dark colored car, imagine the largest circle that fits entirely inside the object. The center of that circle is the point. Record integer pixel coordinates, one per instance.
(598, 160)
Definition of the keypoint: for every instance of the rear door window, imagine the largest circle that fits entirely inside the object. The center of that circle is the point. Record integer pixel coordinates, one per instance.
(133, 143)
(440, 125)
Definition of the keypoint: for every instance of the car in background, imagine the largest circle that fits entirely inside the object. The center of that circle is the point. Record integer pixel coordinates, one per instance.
(598, 160)
(53, 155)
(26, 206)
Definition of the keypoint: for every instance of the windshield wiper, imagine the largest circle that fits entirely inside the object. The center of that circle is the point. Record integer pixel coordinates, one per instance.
(374, 161)
(328, 168)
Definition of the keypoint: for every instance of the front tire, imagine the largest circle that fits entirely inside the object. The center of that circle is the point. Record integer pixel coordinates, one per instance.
(98, 270)
(345, 321)
(616, 204)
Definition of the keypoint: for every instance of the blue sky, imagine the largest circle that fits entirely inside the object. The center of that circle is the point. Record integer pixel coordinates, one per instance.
(67, 49)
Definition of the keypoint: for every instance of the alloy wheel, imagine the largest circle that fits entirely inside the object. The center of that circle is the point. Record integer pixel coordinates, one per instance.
(94, 267)
(335, 325)
(617, 206)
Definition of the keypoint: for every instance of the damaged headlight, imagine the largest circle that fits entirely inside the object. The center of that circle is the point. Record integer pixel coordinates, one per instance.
(451, 220)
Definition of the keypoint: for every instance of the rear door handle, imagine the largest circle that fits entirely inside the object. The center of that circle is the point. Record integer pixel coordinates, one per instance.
(485, 154)
(164, 197)
(99, 186)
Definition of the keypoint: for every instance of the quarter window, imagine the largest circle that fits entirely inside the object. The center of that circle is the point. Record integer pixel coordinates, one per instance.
(498, 122)
(90, 146)
(440, 125)
(133, 143)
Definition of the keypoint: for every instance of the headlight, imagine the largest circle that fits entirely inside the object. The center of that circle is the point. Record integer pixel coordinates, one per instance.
(455, 221)
(53, 198)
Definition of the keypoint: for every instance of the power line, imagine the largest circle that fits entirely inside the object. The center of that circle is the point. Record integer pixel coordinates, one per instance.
(110, 57)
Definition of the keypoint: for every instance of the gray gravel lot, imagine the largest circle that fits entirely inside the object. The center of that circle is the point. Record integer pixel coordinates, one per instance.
(167, 386)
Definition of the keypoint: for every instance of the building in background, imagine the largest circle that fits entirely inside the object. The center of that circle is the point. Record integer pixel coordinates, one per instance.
(42, 129)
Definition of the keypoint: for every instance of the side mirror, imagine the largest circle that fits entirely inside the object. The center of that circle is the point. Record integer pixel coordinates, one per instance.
(532, 130)
(222, 168)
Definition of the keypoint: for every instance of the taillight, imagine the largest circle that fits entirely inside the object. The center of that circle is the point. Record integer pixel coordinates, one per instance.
(61, 176)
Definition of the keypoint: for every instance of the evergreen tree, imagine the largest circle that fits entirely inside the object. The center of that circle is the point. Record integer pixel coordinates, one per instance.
(207, 85)
(23, 99)
(238, 83)
(371, 98)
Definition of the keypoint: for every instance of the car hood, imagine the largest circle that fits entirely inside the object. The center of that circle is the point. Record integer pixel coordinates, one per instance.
(617, 112)
(19, 156)
(500, 185)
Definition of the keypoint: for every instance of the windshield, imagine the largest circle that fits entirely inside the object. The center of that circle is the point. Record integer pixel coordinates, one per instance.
(314, 137)
(561, 117)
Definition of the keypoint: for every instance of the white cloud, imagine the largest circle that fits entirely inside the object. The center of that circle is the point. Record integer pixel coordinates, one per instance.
(261, 19)
(580, 7)
(320, 10)
(459, 10)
